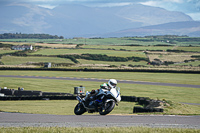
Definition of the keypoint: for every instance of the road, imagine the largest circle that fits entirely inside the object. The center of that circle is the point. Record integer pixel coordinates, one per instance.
(104, 80)
(46, 120)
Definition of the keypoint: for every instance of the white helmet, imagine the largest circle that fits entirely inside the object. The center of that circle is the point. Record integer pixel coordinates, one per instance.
(112, 83)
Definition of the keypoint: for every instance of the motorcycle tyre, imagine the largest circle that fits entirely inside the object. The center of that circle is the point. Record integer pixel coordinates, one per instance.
(79, 109)
(109, 109)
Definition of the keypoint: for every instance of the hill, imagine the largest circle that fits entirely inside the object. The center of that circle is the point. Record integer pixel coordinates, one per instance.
(190, 28)
(70, 20)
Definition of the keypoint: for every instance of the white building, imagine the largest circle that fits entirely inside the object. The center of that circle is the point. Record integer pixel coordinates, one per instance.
(22, 47)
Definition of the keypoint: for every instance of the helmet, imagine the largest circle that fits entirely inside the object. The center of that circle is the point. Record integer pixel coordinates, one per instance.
(104, 86)
(112, 83)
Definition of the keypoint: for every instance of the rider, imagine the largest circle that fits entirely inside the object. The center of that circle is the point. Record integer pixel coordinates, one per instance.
(111, 84)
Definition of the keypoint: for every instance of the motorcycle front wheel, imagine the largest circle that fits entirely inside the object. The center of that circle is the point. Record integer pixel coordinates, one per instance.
(79, 109)
(107, 108)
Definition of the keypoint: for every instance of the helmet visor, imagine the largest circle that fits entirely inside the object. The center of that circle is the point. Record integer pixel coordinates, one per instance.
(113, 84)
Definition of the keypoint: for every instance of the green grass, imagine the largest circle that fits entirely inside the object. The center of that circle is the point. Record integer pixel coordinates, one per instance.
(193, 63)
(56, 107)
(113, 41)
(179, 78)
(89, 51)
(114, 47)
(28, 40)
(189, 48)
(136, 48)
(7, 51)
(174, 57)
(66, 107)
(17, 60)
(95, 130)
(92, 62)
(176, 94)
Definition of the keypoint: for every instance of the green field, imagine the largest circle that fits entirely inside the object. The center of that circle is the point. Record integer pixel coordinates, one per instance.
(89, 51)
(17, 60)
(104, 63)
(162, 56)
(134, 48)
(145, 41)
(189, 48)
(174, 57)
(2, 51)
(56, 107)
(174, 53)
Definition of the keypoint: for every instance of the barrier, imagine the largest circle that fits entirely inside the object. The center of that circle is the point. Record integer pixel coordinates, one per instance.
(8, 98)
(11, 94)
(102, 70)
(143, 110)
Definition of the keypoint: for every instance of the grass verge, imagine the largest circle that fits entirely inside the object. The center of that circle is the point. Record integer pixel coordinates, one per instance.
(66, 107)
(95, 130)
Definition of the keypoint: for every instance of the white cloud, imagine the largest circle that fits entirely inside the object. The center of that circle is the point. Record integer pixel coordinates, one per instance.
(42, 0)
(160, 3)
(48, 6)
(174, 1)
(110, 4)
(195, 16)
(190, 7)
(150, 3)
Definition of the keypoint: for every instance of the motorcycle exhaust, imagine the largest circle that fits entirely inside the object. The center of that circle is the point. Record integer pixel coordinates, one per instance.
(81, 101)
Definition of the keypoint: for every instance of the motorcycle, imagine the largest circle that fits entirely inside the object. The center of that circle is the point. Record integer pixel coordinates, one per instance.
(104, 102)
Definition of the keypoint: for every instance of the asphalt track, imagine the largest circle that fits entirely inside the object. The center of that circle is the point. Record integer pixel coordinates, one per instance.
(46, 120)
(105, 80)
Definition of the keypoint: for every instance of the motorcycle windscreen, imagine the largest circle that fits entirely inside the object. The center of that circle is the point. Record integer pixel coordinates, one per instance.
(116, 94)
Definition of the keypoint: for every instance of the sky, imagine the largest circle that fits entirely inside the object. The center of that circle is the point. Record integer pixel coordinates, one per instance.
(189, 7)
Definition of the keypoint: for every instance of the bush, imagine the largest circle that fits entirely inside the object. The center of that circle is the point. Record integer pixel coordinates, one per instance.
(102, 57)
(71, 57)
(196, 56)
(1, 63)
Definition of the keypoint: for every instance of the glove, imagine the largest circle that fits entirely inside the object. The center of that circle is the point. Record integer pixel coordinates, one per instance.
(92, 92)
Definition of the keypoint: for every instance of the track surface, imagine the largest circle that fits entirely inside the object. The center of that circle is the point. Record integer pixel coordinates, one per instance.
(45, 120)
(104, 80)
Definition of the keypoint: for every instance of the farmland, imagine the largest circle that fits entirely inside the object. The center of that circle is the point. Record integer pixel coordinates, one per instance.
(158, 52)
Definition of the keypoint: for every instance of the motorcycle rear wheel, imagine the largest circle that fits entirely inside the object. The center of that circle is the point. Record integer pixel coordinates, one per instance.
(107, 108)
(79, 109)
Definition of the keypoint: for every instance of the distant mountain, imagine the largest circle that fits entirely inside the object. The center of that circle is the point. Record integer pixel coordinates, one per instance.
(76, 20)
(190, 28)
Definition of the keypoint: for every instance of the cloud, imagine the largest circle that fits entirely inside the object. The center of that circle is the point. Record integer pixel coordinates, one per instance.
(195, 16)
(161, 3)
(190, 7)
(98, 3)
(48, 6)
